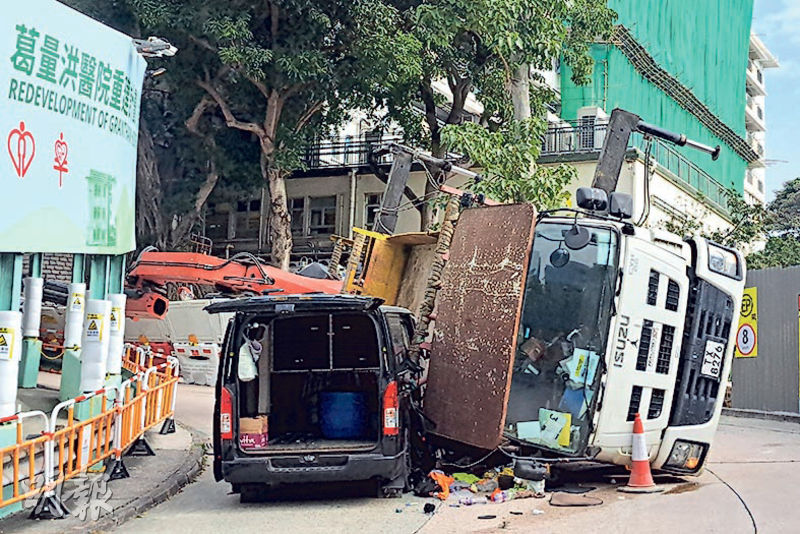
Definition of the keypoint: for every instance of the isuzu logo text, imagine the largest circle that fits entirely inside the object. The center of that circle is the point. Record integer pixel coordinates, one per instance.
(622, 340)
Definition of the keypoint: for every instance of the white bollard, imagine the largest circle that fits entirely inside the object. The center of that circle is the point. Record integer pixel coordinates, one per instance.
(117, 328)
(73, 326)
(10, 353)
(94, 344)
(32, 307)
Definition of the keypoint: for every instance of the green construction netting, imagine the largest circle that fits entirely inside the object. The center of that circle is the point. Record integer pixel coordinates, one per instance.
(704, 45)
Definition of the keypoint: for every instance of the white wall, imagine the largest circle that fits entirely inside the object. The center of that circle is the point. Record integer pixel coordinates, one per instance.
(663, 190)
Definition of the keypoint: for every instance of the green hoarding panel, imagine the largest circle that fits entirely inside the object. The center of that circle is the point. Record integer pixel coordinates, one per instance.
(69, 93)
(704, 45)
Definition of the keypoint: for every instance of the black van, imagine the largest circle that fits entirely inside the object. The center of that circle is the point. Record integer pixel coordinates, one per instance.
(307, 392)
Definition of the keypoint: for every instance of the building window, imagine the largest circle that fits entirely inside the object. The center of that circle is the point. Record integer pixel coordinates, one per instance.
(372, 206)
(348, 150)
(313, 215)
(297, 211)
(760, 186)
(322, 218)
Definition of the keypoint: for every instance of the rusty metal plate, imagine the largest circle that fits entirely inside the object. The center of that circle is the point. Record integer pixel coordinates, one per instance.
(478, 310)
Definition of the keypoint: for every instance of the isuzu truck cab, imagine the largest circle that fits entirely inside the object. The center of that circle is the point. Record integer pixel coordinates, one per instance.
(620, 321)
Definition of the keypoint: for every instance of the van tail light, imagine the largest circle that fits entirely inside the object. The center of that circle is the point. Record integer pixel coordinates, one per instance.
(391, 405)
(226, 415)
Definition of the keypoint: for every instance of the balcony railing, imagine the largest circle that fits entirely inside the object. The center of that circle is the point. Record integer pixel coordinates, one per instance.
(561, 139)
(756, 145)
(566, 138)
(686, 171)
(755, 108)
(341, 153)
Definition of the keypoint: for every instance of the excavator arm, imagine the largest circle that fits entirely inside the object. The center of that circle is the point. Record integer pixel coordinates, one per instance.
(620, 127)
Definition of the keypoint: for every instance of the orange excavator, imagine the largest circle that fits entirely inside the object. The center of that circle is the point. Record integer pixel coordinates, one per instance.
(156, 277)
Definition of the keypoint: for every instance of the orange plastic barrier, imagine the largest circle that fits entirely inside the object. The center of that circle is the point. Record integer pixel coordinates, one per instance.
(57, 455)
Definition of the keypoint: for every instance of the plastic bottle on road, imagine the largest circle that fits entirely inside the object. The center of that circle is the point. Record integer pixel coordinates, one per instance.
(469, 501)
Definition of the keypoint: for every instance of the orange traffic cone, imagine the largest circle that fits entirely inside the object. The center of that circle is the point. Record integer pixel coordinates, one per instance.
(641, 480)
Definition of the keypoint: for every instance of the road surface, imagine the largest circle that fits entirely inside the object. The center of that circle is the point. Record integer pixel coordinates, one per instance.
(752, 478)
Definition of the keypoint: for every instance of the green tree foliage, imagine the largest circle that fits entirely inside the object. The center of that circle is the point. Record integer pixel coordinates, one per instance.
(180, 162)
(489, 48)
(284, 72)
(257, 81)
(510, 173)
(779, 251)
(782, 248)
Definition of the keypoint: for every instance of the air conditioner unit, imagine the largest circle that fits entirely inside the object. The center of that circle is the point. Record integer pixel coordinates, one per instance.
(592, 124)
(559, 138)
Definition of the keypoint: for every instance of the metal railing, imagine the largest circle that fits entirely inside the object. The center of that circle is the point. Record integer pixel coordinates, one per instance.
(573, 137)
(561, 139)
(345, 152)
(686, 171)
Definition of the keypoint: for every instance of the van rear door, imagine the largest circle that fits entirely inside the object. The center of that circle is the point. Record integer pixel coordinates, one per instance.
(223, 363)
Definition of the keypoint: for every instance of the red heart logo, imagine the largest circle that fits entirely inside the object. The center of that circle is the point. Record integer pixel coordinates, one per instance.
(21, 147)
(61, 152)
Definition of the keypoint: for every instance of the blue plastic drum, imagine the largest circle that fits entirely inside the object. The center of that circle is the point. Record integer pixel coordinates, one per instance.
(342, 415)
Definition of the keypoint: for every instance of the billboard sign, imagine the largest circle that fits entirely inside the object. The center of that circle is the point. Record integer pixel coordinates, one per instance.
(69, 119)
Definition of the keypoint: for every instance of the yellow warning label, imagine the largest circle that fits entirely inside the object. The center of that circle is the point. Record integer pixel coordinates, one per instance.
(115, 319)
(94, 326)
(6, 343)
(76, 302)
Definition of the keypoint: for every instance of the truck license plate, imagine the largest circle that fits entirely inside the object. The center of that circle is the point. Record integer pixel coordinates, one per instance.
(712, 359)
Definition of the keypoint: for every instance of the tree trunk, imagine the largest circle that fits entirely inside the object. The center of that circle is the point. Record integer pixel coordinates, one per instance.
(280, 221)
(187, 220)
(431, 188)
(519, 88)
(428, 211)
(149, 224)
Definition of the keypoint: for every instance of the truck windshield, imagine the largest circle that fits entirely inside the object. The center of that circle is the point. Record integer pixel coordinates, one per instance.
(564, 327)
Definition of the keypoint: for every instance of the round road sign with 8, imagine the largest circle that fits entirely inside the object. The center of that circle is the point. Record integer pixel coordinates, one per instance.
(745, 339)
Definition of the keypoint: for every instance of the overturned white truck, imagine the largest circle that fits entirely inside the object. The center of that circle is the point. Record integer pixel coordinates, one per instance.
(556, 343)
(552, 331)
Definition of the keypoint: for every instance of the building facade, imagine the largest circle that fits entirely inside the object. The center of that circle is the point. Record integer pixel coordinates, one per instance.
(760, 59)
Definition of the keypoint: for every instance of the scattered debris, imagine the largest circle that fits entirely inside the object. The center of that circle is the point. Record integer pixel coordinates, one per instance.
(488, 516)
(429, 508)
(515, 512)
(536, 511)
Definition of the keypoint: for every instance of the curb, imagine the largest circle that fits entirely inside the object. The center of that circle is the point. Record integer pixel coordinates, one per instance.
(183, 475)
(785, 417)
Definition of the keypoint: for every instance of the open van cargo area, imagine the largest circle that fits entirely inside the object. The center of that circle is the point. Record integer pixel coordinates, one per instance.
(332, 410)
(318, 383)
